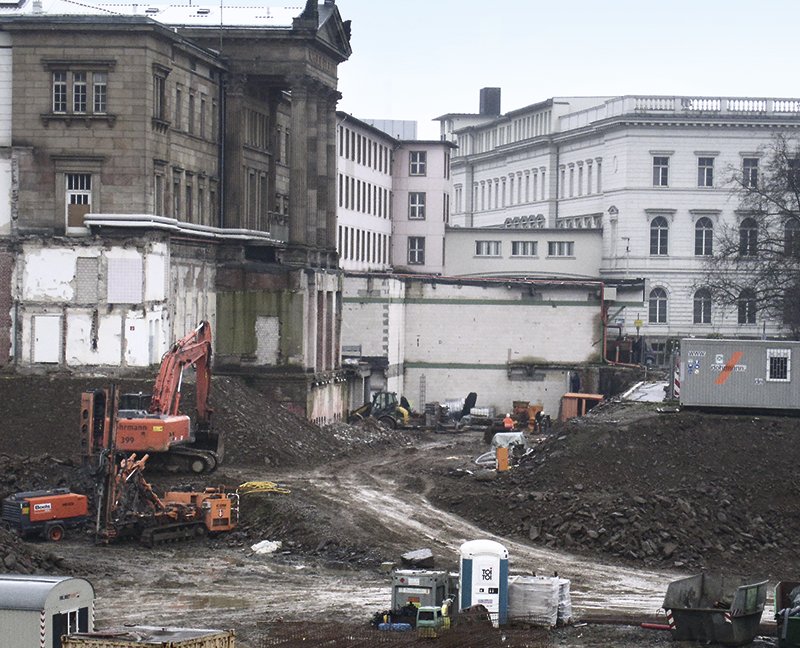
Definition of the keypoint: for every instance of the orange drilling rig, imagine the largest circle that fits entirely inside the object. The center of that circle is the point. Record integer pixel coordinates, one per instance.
(127, 506)
(153, 423)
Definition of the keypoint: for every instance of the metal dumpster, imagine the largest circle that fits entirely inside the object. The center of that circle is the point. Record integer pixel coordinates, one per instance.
(715, 609)
(788, 620)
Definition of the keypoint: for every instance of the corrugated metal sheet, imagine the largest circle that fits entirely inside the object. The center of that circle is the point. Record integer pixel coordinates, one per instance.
(29, 592)
(739, 374)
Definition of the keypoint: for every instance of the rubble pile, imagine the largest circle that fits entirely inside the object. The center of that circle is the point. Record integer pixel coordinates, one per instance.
(684, 490)
(259, 431)
(18, 557)
(45, 471)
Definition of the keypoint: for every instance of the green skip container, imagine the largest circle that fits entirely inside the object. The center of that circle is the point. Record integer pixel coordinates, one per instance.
(788, 626)
(715, 609)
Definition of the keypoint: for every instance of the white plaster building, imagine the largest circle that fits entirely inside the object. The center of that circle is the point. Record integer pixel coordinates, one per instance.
(440, 338)
(393, 199)
(421, 206)
(650, 171)
(364, 191)
(527, 252)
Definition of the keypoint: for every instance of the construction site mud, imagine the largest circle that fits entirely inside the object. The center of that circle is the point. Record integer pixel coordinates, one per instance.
(621, 502)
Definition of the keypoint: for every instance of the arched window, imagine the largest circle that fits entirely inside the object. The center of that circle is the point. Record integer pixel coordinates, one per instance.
(703, 237)
(702, 307)
(791, 237)
(748, 237)
(658, 306)
(659, 236)
(747, 307)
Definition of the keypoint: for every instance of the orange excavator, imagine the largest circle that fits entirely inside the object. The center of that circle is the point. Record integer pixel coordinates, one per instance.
(153, 423)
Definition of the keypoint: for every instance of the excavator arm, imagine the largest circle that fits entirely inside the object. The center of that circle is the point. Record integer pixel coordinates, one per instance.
(192, 349)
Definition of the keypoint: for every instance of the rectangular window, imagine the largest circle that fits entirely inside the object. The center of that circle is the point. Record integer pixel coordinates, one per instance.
(561, 248)
(59, 92)
(79, 92)
(178, 100)
(705, 172)
(487, 248)
(779, 365)
(159, 194)
(416, 250)
(189, 203)
(523, 248)
(660, 171)
(750, 172)
(190, 116)
(78, 197)
(416, 205)
(159, 97)
(417, 162)
(176, 196)
(202, 116)
(794, 174)
(100, 92)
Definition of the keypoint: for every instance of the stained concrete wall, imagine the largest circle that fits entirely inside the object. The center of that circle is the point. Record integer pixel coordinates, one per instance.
(373, 322)
(505, 341)
(72, 310)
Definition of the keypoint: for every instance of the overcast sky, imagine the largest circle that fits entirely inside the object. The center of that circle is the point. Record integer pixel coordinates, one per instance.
(418, 59)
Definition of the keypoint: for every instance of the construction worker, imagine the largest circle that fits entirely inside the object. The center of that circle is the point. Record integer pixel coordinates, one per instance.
(508, 423)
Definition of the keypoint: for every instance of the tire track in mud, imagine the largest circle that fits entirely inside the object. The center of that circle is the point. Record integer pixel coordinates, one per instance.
(596, 587)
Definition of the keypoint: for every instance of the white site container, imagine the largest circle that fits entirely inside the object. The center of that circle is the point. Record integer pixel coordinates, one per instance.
(35, 611)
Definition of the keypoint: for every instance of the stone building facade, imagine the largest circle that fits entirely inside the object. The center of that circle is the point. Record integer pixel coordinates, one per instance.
(168, 166)
(649, 174)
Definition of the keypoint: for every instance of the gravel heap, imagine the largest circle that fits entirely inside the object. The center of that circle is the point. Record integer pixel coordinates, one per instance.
(684, 490)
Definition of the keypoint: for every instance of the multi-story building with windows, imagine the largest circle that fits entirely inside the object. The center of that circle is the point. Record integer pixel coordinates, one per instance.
(364, 188)
(161, 165)
(421, 206)
(648, 174)
(393, 199)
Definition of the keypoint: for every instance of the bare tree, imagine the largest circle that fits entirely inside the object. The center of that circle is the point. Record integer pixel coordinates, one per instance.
(755, 264)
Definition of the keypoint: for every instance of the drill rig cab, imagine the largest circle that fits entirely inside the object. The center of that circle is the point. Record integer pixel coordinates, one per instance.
(153, 423)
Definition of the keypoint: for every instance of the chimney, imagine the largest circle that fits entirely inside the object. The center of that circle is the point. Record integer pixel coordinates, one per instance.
(490, 102)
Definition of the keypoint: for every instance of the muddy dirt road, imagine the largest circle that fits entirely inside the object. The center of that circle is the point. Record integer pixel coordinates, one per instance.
(220, 585)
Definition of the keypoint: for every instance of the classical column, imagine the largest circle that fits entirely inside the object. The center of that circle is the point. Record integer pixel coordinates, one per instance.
(321, 233)
(330, 243)
(312, 161)
(233, 211)
(298, 180)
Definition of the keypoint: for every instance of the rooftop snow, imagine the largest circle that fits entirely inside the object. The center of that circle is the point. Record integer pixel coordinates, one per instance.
(241, 13)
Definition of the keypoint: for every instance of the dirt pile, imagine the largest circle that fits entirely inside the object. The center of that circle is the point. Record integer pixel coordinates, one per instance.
(686, 490)
(259, 431)
(41, 452)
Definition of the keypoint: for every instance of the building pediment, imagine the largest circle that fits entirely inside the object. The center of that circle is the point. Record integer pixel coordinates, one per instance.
(333, 32)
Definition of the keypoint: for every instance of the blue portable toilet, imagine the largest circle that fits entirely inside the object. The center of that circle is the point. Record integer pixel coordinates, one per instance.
(483, 578)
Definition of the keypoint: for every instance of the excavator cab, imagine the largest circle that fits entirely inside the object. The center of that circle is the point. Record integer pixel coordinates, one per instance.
(138, 402)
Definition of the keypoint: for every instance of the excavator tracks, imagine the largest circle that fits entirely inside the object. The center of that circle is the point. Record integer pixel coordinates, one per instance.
(177, 532)
(185, 459)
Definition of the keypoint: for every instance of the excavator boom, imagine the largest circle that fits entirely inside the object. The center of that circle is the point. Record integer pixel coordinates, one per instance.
(192, 349)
